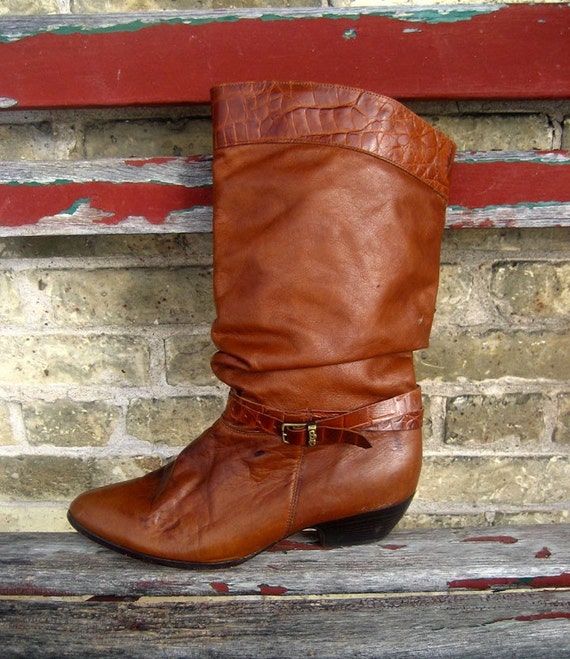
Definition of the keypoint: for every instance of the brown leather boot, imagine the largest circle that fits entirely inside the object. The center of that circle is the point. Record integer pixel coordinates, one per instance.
(328, 213)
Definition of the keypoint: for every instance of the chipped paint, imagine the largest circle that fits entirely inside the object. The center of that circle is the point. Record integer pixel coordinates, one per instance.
(110, 203)
(349, 33)
(503, 539)
(543, 615)
(542, 157)
(75, 206)
(143, 162)
(65, 26)
(6, 102)
(543, 553)
(220, 587)
(499, 583)
(265, 589)
(546, 615)
(393, 547)
(430, 16)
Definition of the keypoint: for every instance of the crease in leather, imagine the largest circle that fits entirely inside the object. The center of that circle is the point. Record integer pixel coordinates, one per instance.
(312, 306)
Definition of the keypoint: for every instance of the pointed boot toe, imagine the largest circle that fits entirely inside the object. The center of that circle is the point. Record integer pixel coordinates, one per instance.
(329, 208)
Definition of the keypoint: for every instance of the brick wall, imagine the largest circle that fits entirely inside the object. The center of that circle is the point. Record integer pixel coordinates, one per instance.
(105, 340)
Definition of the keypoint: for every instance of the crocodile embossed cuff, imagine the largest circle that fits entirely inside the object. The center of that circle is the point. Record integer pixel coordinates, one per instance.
(332, 115)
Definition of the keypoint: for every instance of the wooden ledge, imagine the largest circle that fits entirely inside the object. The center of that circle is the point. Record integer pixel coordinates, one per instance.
(425, 593)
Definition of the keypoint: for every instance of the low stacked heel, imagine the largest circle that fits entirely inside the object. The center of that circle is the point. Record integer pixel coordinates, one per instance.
(361, 529)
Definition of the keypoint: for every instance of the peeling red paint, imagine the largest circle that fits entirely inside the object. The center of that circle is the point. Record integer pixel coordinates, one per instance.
(162, 160)
(503, 539)
(141, 162)
(295, 545)
(264, 589)
(24, 204)
(310, 48)
(393, 547)
(487, 583)
(547, 615)
(543, 553)
(220, 587)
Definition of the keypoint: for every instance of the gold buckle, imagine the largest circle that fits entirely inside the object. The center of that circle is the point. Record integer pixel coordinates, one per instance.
(311, 429)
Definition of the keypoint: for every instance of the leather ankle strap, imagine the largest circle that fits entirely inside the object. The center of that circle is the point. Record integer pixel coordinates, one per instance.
(402, 412)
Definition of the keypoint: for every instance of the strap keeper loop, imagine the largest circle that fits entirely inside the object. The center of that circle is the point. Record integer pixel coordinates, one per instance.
(310, 428)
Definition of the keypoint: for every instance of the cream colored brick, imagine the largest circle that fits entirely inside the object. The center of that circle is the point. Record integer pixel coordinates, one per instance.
(461, 298)
(562, 430)
(532, 289)
(6, 435)
(483, 132)
(11, 310)
(520, 354)
(509, 420)
(188, 360)
(69, 423)
(28, 7)
(75, 360)
(50, 478)
(147, 138)
(495, 480)
(127, 296)
(34, 518)
(415, 520)
(172, 421)
(44, 141)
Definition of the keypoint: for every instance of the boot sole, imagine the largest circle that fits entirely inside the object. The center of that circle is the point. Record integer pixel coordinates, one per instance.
(358, 529)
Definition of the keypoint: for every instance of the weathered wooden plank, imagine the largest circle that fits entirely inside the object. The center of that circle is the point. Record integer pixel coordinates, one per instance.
(441, 560)
(508, 51)
(165, 195)
(502, 625)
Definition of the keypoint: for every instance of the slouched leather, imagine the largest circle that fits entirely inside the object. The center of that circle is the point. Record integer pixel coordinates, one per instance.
(329, 204)
(328, 280)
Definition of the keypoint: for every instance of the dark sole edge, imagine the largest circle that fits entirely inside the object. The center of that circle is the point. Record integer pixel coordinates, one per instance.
(358, 529)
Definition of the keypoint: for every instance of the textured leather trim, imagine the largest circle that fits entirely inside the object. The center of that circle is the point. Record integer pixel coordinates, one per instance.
(333, 115)
(402, 412)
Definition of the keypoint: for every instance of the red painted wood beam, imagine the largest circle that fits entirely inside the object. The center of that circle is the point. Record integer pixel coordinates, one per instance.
(513, 51)
(485, 192)
(476, 184)
(22, 205)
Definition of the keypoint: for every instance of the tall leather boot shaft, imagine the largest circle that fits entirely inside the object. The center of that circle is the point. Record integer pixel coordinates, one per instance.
(329, 210)
(329, 206)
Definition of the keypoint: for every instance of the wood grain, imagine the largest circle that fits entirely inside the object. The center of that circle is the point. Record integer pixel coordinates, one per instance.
(425, 593)
(409, 561)
(164, 57)
(503, 625)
